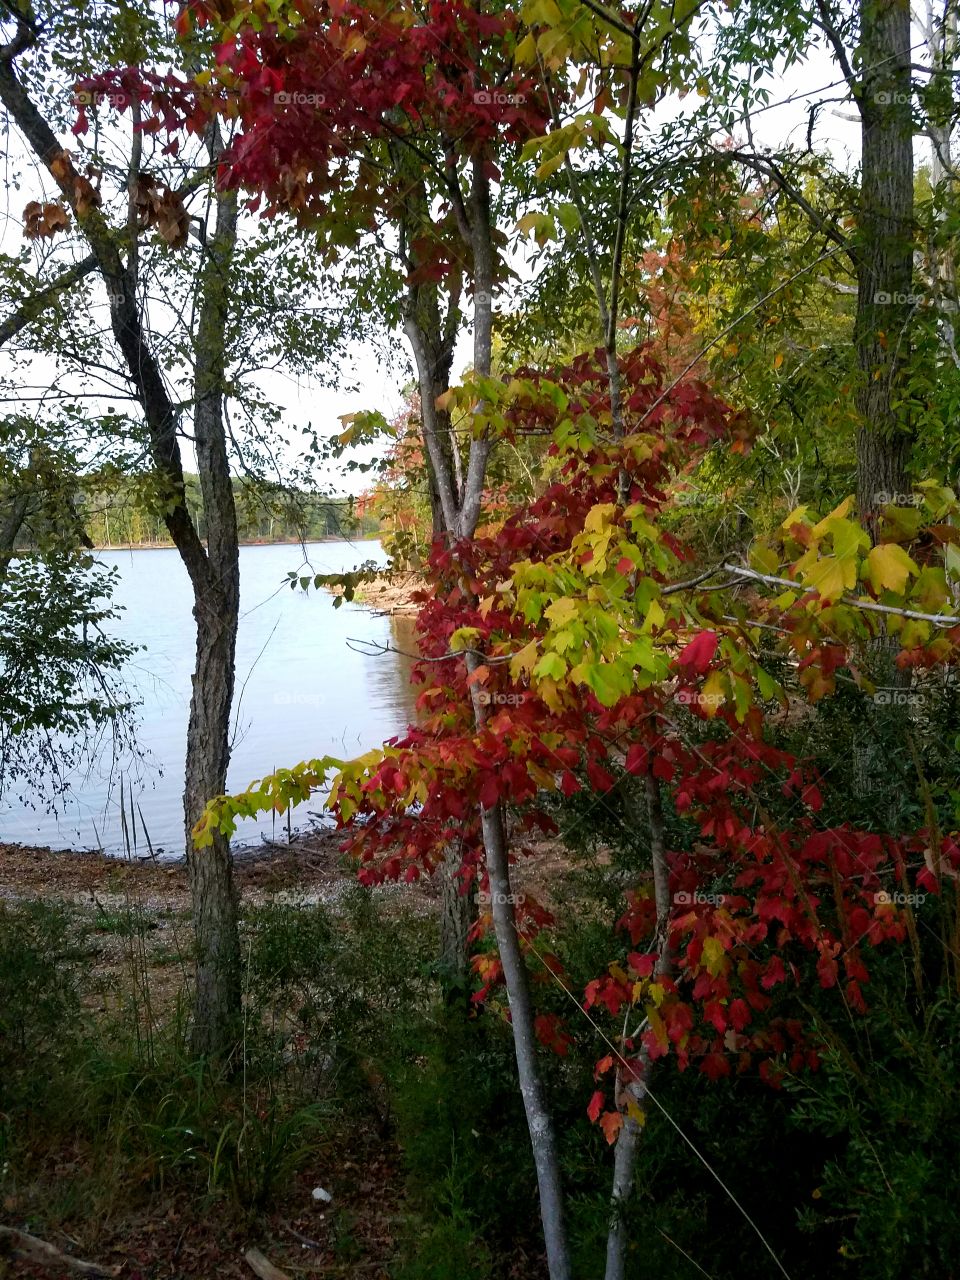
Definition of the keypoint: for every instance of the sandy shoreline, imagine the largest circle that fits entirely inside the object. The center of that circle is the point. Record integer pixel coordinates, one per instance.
(393, 594)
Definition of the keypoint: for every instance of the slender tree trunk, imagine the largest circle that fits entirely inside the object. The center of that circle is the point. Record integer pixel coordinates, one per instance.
(517, 982)
(431, 341)
(884, 254)
(632, 1091)
(217, 951)
(216, 610)
(456, 918)
(460, 497)
(516, 979)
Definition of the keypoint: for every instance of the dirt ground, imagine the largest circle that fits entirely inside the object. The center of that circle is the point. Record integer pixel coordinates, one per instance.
(166, 1235)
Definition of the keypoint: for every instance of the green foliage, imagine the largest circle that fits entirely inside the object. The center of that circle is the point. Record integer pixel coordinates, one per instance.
(61, 692)
(330, 994)
(39, 994)
(880, 1107)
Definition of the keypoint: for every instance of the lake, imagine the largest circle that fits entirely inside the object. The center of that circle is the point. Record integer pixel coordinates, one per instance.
(303, 690)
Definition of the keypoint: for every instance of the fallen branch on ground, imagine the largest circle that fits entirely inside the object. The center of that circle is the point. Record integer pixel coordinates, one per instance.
(263, 1267)
(37, 1250)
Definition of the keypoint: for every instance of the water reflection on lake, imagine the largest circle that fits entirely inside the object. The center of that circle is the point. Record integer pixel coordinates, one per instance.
(304, 689)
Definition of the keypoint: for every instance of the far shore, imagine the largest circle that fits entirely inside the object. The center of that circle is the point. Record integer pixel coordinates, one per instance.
(244, 542)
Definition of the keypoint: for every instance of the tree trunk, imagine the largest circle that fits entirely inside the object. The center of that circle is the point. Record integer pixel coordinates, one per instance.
(517, 982)
(885, 247)
(216, 609)
(457, 915)
(10, 526)
(459, 499)
(217, 954)
(633, 1091)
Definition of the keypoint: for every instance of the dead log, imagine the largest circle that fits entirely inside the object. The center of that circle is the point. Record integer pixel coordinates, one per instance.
(37, 1250)
(263, 1267)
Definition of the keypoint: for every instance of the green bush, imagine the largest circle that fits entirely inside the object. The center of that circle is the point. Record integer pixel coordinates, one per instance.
(39, 994)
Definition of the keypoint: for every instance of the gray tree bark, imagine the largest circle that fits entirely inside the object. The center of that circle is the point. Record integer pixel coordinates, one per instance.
(216, 610)
(884, 252)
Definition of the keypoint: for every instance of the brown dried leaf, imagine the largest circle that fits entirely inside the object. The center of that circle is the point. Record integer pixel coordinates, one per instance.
(40, 221)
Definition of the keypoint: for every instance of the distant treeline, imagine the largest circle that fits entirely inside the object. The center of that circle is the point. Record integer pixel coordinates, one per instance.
(123, 513)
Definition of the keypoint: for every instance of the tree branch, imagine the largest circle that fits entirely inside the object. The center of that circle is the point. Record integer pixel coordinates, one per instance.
(36, 304)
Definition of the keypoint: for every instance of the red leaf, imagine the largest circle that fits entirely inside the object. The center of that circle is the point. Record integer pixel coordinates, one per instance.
(640, 964)
(593, 1110)
(698, 654)
(569, 784)
(715, 1065)
(739, 1014)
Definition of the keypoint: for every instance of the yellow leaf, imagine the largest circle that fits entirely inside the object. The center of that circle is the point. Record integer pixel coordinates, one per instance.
(549, 166)
(598, 517)
(797, 516)
(778, 360)
(831, 576)
(636, 1113)
(713, 694)
(464, 638)
(714, 957)
(837, 513)
(522, 663)
(562, 611)
(655, 616)
(657, 1027)
(526, 53)
(889, 568)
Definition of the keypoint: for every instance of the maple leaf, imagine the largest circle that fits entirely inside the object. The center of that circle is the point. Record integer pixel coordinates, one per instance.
(699, 653)
(611, 1122)
(715, 1065)
(888, 568)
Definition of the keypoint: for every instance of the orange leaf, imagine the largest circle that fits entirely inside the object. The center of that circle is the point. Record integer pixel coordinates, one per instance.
(611, 1122)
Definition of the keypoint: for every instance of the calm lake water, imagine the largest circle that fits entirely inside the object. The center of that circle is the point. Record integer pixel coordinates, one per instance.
(305, 692)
